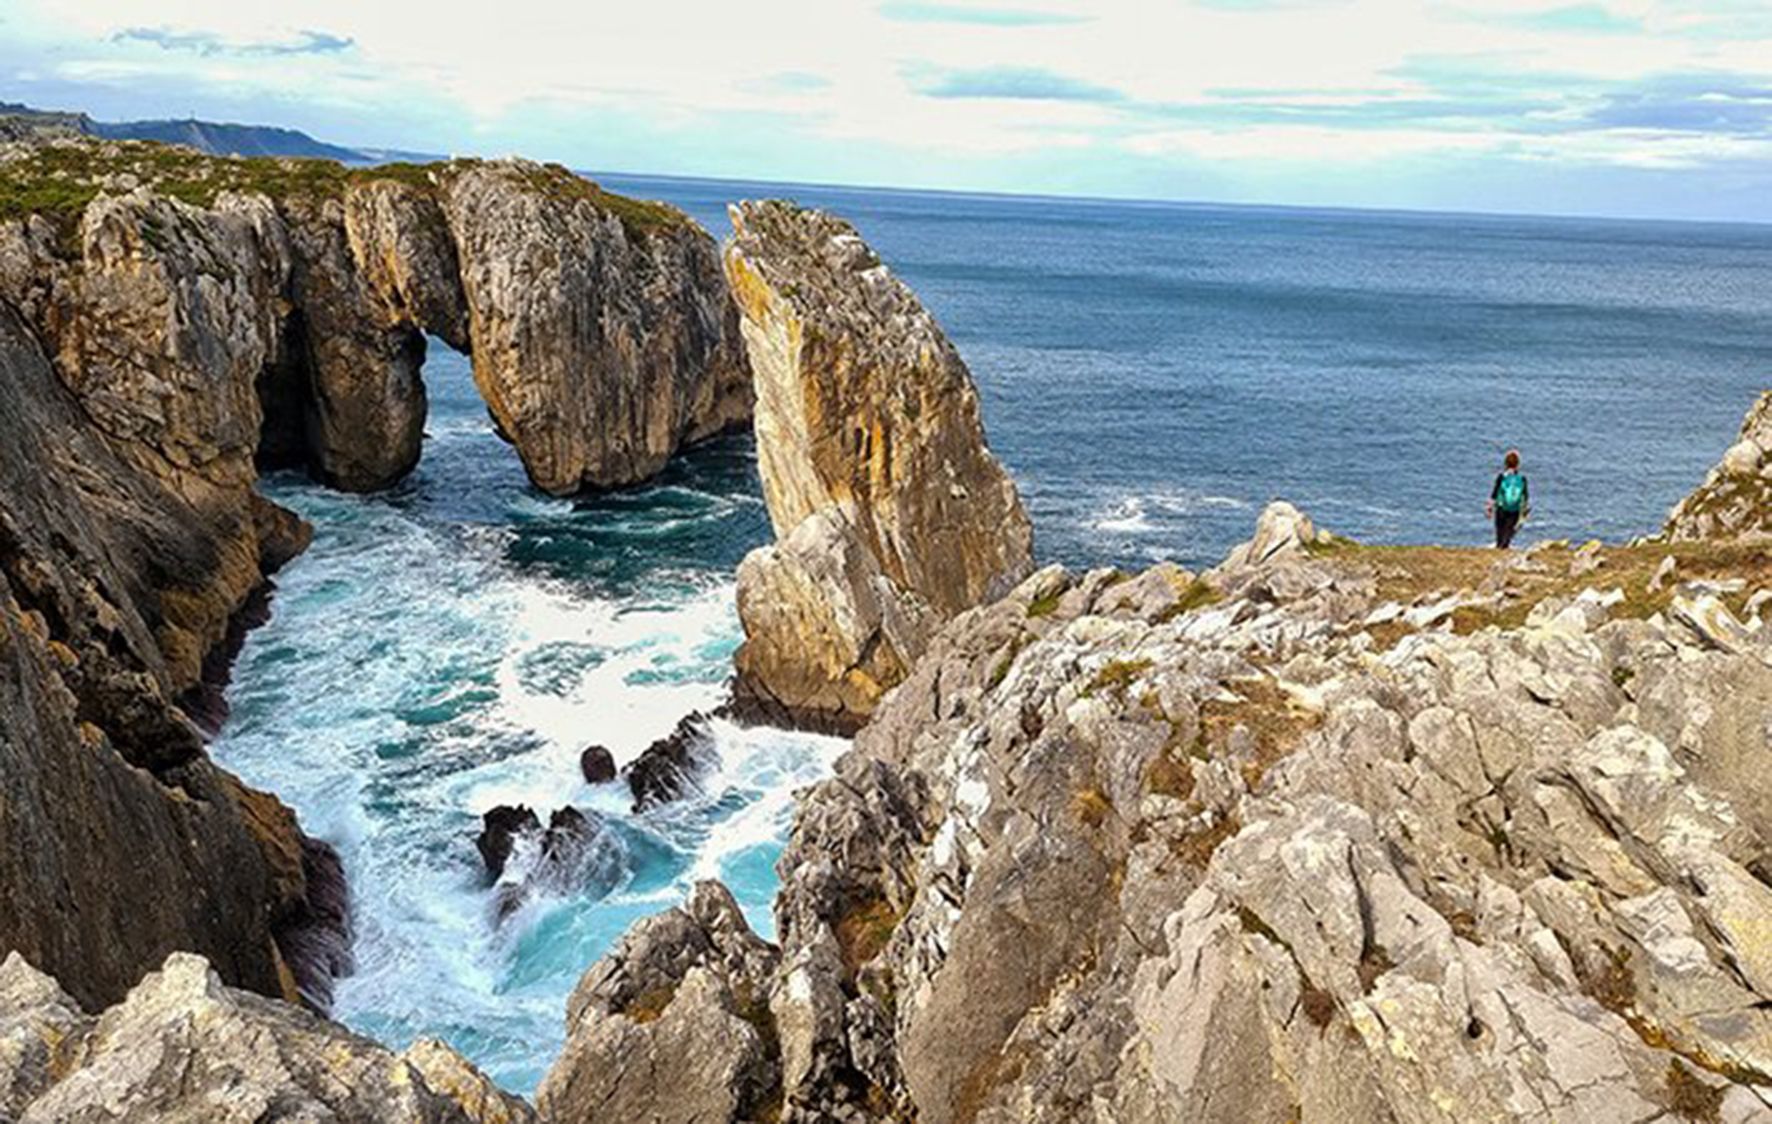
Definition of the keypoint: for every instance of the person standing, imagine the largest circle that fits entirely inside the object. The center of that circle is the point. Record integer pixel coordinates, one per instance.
(1509, 500)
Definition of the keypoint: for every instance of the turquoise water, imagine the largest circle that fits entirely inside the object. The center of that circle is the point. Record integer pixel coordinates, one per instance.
(454, 645)
(1151, 374)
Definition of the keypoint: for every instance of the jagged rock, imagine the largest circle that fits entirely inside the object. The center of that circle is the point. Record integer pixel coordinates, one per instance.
(1230, 857)
(597, 764)
(826, 632)
(576, 853)
(1281, 530)
(499, 831)
(42, 1035)
(118, 838)
(182, 1046)
(1735, 500)
(867, 427)
(673, 1025)
(673, 766)
(603, 340)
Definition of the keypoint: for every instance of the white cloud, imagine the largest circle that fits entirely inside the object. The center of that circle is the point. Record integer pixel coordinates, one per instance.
(784, 86)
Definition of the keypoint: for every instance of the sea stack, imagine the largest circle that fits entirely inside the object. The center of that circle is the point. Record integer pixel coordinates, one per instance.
(891, 515)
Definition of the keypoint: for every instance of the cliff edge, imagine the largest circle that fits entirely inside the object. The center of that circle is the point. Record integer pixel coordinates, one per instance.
(890, 513)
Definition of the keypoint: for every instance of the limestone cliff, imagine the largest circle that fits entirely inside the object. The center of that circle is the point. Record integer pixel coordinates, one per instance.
(890, 513)
(1331, 833)
(119, 840)
(601, 330)
(1735, 500)
(603, 337)
(182, 1046)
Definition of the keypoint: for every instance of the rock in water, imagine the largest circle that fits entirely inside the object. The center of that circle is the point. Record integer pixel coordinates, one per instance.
(673, 766)
(597, 764)
(890, 513)
(182, 1046)
(603, 336)
(575, 854)
(500, 829)
(1735, 500)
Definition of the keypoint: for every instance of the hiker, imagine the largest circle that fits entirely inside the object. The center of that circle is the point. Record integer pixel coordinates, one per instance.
(1509, 501)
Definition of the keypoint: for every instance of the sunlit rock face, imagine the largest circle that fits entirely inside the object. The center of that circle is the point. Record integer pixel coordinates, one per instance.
(891, 515)
(1735, 500)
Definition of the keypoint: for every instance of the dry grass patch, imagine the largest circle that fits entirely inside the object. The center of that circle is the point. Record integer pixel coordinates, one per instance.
(863, 933)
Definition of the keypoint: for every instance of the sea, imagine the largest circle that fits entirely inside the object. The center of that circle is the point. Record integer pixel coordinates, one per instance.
(1151, 375)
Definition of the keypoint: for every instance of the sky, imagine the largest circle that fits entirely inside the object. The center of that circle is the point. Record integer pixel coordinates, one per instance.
(1632, 109)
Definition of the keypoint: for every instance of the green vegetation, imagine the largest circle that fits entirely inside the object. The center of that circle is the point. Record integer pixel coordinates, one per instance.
(1116, 676)
(1197, 595)
(1045, 606)
(57, 181)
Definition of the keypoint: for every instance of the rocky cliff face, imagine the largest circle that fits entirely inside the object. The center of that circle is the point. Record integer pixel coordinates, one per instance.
(890, 513)
(119, 840)
(182, 1046)
(1735, 500)
(297, 296)
(168, 323)
(1329, 833)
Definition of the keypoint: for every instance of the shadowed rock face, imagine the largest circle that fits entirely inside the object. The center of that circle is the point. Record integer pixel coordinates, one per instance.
(1735, 500)
(890, 513)
(118, 838)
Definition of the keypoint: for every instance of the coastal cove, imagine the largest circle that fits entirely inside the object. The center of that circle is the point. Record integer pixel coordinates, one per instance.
(1109, 710)
(452, 644)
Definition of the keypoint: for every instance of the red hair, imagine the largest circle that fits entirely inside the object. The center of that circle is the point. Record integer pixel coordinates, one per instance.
(1512, 460)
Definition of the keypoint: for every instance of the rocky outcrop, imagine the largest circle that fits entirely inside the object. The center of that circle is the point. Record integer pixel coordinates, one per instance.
(602, 334)
(674, 1025)
(674, 766)
(1330, 834)
(1735, 500)
(119, 840)
(182, 1046)
(169, 323)
(575, 854)
(890, 513)
(217, 308)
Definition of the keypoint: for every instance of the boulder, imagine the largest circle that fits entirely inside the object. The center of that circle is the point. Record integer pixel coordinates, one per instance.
(597, 764)
(868, 427)
(673, 766)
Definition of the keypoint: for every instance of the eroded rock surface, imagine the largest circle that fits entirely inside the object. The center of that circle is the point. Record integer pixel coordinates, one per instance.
(674, 1025)
(890, 513)
(1288, 843)
(182, 1046)
(119, 839)
(1735, 500)
(214, 309)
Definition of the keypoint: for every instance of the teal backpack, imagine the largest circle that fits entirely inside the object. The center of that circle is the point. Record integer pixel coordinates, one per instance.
(1513, 492)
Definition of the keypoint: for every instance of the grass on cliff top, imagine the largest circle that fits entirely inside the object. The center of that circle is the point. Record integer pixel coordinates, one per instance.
(59, 180)
(1407, 574)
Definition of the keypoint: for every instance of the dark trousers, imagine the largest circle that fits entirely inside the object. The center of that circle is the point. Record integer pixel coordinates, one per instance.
(1506, 523)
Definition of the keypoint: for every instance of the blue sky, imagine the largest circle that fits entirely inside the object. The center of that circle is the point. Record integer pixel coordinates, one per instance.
(1647, 109)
